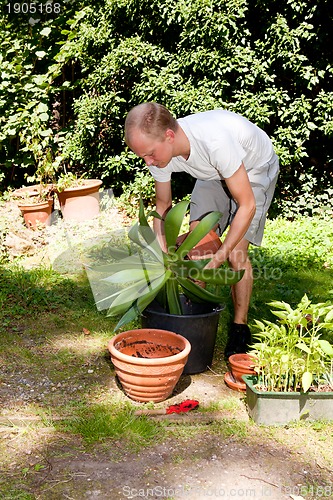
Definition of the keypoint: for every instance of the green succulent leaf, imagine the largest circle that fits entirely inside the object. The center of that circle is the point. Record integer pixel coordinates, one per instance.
(198, 292)
(129, 275)
(131, 314)
(130, 293)
(128, 263)
(155, 214)
(142, 216)
(173, 298)
(220, 276)
(124, 298)
(184, 268)
(203, 228)
(173, 221)
(193, 269)
(144, 227)
(143, 301)
(118, 254)
(142, 236)
(135, 235)
(156, 286)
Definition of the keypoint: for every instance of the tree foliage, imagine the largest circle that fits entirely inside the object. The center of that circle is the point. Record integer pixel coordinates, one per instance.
(68, 81)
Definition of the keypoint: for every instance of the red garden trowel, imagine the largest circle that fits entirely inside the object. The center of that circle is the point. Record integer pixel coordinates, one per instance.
(184, 407)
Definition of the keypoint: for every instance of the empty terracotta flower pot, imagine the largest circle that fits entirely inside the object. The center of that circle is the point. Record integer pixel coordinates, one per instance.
(149, 362)
(241, 364)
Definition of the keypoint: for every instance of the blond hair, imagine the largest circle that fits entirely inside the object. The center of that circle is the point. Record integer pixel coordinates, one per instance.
(150, 118)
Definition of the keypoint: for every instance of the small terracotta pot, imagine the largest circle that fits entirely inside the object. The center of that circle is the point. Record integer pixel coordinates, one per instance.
(241, 364)
(35, 214)
(149, 362)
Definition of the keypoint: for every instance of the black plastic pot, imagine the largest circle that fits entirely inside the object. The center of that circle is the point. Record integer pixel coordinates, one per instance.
(198, 325)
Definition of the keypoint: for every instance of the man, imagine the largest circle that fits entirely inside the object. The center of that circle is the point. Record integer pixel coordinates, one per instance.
(236, 170)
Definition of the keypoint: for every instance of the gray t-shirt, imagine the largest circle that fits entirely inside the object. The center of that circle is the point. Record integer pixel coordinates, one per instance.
(219, 142)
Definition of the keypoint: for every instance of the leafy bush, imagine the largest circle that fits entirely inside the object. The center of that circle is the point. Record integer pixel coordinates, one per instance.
(90, 65)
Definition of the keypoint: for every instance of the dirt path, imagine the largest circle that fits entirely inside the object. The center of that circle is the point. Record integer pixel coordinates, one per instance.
(208, 467)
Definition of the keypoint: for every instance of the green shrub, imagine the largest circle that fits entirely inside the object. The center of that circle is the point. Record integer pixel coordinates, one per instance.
(95, 61)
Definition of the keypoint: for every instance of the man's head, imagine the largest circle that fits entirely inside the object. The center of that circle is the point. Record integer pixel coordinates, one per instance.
(151, 119)
(149, 131)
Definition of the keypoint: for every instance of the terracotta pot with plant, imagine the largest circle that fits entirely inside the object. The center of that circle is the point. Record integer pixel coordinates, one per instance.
(78, 197)
(36, 201)
(293, 364)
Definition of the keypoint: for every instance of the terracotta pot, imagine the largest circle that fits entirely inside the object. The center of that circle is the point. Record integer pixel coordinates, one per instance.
(148, 362)
(240, 364)
(82, 202)
(35, 214)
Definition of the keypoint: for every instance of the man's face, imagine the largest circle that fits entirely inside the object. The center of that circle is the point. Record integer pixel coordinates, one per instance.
(157, 152)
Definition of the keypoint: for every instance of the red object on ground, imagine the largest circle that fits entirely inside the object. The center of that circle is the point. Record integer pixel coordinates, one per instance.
(188, 405)
(184, 407)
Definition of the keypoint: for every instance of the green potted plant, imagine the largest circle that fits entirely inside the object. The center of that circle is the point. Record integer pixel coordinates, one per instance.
(36, 201)
(293, 365)
(142, 274)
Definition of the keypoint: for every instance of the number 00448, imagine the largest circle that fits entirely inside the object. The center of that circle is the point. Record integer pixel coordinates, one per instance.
(34, 7)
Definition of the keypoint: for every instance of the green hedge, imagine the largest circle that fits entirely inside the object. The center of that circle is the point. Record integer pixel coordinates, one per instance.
(68, 81)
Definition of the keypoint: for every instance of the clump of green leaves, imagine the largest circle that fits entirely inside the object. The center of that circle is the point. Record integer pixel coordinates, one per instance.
(69, 180)
(291, 355)
(143, 272)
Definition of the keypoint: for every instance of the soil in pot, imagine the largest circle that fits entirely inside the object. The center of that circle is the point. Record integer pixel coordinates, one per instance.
(149, 362)
(147, 350)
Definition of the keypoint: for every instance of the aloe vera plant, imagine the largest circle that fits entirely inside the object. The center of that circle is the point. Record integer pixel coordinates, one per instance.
(291, 355)
(142, 272)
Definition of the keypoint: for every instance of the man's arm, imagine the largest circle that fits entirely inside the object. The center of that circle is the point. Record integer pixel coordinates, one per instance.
(163, 205)
(240, 189)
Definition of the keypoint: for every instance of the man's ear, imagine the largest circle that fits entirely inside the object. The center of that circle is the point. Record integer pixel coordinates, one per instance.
(169, 135)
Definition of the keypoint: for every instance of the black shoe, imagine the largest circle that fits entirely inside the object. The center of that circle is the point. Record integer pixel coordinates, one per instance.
(239, 339)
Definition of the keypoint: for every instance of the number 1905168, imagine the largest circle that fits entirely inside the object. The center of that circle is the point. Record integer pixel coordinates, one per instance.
(33, 8)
